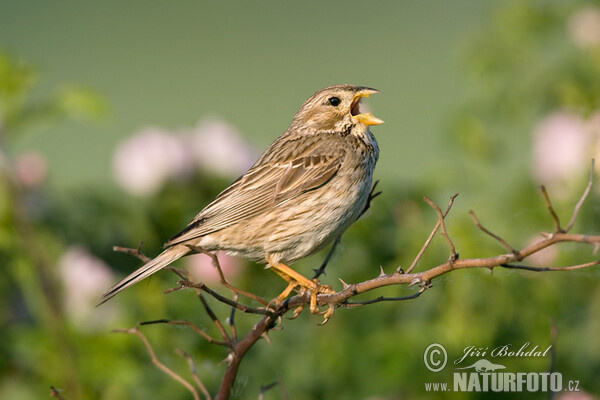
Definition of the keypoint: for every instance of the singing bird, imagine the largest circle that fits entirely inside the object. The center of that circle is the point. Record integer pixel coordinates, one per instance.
(304, 191)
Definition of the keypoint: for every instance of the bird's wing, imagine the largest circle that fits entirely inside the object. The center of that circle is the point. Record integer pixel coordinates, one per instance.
(265, 186)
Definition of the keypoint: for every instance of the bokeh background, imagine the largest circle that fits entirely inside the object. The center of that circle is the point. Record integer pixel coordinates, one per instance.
(119, 121)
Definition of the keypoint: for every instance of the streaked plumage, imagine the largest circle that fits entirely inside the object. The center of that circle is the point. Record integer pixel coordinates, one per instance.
(308, 187)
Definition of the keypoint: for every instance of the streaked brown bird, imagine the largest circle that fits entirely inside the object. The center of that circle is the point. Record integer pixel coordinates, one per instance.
(304, 191)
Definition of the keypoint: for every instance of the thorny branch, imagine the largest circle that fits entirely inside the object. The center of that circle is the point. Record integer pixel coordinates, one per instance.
(271, 316)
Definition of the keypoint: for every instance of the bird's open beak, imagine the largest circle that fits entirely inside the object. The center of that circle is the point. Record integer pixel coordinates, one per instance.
(364, 118)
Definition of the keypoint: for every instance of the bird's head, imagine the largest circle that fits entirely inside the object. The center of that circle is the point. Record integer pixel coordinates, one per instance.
(336, 108)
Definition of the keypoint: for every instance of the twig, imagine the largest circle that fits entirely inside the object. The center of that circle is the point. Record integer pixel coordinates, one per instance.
(199, 331)
(550, 269)
(379, 299)
(54, 392)
(195, 376)
(557, 227)
(264, 388)
(428, 241)
(160, 365)
(134, 252)
(215, 320)
(498, 238)
(224, 281)
(232, 327)
(582, 199)
(202, 287)
(441, 217)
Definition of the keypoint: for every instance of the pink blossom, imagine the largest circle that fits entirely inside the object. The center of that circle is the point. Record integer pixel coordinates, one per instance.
(542, 258)
(84, 278)
(31, 169)
(144, 162)
(218, 147)
(561, 148)
(584, 27)
(202, 269)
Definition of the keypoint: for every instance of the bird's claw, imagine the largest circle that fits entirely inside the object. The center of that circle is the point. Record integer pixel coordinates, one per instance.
(327, 314)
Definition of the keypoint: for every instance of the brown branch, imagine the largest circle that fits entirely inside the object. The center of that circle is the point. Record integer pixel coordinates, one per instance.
(270, 317)
(160, 365)
(238, 353)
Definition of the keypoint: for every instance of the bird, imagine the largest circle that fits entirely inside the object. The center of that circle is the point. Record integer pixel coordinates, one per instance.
(301, 194)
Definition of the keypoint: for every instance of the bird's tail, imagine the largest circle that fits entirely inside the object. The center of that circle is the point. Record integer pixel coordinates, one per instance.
(160, 261)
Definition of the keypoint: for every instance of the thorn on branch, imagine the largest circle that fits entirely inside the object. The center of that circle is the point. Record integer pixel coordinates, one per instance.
(265, 335)
(344, 284)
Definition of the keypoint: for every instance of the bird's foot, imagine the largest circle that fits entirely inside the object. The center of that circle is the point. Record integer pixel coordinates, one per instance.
(314, 308)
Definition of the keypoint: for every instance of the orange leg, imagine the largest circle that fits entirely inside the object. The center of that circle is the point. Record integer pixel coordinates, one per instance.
(296, 279)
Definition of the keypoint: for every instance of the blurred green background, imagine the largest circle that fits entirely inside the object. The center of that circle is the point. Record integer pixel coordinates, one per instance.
(119, 121)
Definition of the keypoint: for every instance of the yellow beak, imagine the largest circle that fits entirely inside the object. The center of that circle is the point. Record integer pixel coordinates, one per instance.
(363, 118)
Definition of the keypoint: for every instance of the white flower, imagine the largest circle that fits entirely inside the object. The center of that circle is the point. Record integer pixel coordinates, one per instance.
(84, 278)
(218, 147)
(144, 162)
(584, 27)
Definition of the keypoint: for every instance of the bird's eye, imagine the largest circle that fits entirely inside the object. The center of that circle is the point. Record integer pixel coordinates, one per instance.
(334, 101)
